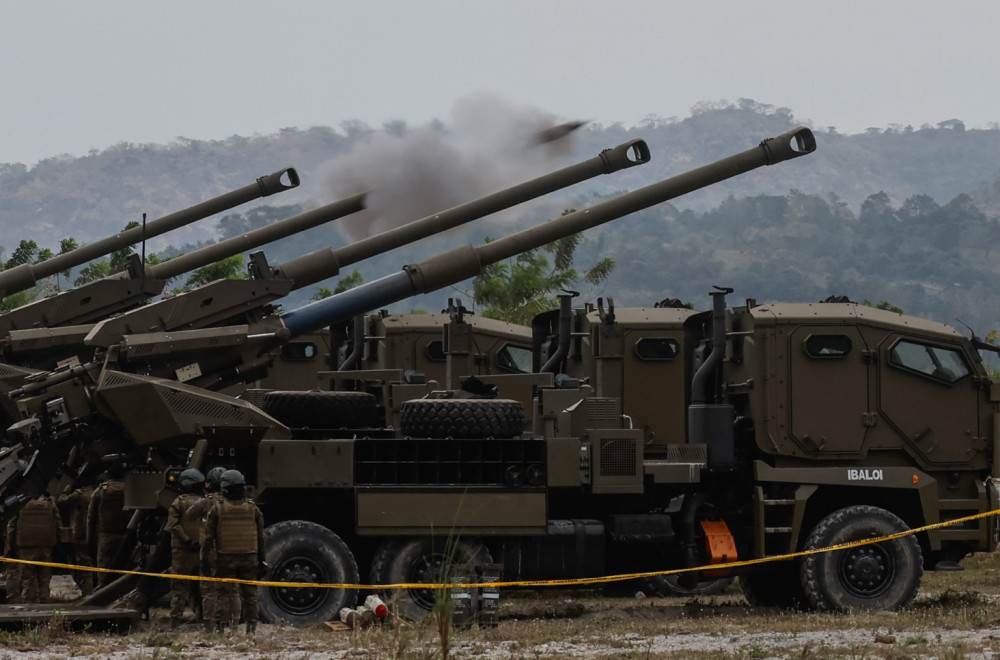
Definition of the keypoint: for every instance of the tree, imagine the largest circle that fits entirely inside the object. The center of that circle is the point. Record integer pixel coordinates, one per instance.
(95, 270)
(322, 292)
(26, 252)
(884, 304)
(346, 282)
(230, 268)
(517, 290)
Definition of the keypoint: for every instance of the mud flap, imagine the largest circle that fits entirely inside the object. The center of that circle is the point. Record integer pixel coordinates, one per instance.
(720, 547)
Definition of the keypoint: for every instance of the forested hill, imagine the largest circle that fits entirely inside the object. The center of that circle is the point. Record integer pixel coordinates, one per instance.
(95, 195)
(903, 214)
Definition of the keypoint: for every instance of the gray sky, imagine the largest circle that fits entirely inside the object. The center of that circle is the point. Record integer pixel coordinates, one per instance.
(86, 75)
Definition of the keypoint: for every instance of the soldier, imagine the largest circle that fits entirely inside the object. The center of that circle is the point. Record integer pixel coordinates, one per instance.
(209, 590)
(33, 534)
(184, 523)
(107, 519)
(234, 532)
(75, 505)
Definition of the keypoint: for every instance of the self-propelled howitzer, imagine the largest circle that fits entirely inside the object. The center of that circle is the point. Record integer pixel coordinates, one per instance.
(25, 276)
(73, 416)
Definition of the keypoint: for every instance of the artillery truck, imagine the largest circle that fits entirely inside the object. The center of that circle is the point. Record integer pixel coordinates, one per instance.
(568, 500)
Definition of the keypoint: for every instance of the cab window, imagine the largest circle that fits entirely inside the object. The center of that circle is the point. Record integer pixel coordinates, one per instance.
(298, 351)
(514, 358)
(828, 346)
(943, 364)
(435, 351)
(656, 348)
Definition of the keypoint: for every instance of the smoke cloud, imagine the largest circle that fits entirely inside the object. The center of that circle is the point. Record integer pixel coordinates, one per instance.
(486, 146)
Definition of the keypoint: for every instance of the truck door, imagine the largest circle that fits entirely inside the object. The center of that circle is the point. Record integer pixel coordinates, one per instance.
(927, 395)
(828, 390)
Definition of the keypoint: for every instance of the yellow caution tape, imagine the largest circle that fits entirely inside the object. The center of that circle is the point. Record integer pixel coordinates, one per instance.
(566, 582)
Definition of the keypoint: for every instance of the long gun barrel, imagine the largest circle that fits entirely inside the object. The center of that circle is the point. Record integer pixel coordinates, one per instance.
(25, 276)
(325, 263)
(208, 305)
(256, 238)
(118, 293)
(467, 261)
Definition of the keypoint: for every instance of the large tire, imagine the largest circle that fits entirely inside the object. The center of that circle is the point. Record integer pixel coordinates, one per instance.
(666, 586)
(883, 576)
(461, 418)
(319, 409)
(775, 585)
(423, 560)
(301, 551)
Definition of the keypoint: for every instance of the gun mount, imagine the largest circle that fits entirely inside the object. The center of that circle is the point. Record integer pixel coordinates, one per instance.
(25, 276)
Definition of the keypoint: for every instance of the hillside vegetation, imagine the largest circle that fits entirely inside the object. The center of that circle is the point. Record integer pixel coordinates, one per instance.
(904, 214)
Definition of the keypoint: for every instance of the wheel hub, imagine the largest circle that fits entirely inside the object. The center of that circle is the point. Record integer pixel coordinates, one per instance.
(428, 569)
(298, 600)
(866, 571)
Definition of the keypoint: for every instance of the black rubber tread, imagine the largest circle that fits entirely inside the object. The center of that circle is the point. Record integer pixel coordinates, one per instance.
(302, 551)
(834, 581)
(775, 585)
(666, 586)
(422, 560)
(461, 418)
(319, 409)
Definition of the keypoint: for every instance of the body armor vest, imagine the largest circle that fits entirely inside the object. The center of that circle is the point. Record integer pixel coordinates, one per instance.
(112, 518)
(36, 528)
(237, 528)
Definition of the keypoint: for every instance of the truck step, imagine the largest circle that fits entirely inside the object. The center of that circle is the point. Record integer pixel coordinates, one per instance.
(778, 502)
(777, 530)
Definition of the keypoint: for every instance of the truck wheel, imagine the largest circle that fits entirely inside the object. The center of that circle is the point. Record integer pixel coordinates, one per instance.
(469, 419)
(319, 409)
(777, 585)
(423, 560)
(666, 586)
(883, 576)
(302, 551)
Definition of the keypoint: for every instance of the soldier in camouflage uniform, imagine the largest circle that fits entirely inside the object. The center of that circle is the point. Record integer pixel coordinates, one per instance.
(33, 534)
(209, 590)
(184, 524)
(234, 532)
(75, 505)
(107, 519)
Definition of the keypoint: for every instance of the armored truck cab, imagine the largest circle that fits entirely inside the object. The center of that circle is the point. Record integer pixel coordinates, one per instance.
(397, 357)
(871, 407)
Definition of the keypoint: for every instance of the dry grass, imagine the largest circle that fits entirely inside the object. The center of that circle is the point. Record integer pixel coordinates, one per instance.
(955, 616)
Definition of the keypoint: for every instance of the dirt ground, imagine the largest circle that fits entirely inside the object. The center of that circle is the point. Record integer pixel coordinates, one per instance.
(956, 616)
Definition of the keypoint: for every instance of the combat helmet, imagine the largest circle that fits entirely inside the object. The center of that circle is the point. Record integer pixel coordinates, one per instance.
(192, 480)
(233, 484)
(213, 478)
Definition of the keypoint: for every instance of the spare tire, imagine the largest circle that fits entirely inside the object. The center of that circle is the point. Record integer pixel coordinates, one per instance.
(461, 418)
(319, 409)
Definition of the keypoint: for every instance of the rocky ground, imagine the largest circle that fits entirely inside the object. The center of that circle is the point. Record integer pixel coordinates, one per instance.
(948, 620)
